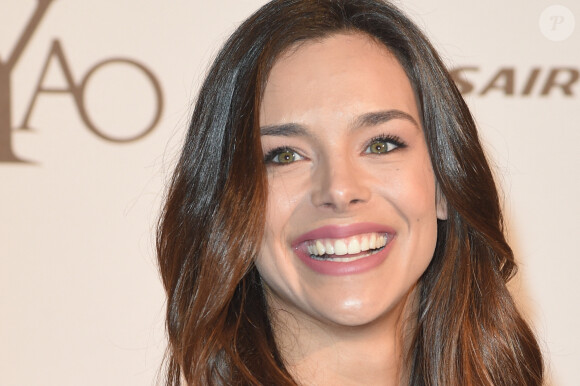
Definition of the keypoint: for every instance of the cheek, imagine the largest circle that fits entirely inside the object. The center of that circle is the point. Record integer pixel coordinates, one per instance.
(285, 193)
(412, 193)
(284, 189)
(281, 210)
(275, 263)
(422, 217)
(419, 203)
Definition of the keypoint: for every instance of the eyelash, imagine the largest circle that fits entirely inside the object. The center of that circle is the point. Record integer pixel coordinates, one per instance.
(392, 139)
(269, 157)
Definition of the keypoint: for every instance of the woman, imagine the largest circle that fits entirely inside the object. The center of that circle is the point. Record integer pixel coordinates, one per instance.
(333, 219)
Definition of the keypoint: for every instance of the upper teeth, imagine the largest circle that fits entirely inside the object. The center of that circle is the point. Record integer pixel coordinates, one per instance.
(350, 245)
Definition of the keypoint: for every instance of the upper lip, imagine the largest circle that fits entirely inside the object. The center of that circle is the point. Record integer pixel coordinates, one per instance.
(342, 231)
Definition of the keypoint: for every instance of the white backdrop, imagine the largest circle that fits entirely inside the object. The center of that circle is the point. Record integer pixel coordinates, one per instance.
(80, 299)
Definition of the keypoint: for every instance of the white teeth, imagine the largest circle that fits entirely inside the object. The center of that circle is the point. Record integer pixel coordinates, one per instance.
(340, 248)
(364, 243)
(373, 241)
(353, 247)
(346, 259)
(329, 247)
(320, 248)
(381, 241)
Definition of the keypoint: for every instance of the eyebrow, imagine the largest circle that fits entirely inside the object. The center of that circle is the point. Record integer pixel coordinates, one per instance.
(284, 130)
(379, 117)
(368, 119)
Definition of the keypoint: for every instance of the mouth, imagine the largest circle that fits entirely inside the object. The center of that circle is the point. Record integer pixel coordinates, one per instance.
(347, 249)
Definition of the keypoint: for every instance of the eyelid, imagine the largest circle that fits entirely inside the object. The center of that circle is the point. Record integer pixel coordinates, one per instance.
(272, 154)
(389, 138)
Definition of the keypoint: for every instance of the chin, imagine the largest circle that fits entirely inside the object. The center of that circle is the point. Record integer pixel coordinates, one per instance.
(354, 312)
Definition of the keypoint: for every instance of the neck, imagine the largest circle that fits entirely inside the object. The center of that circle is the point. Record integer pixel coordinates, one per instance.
(315, 353)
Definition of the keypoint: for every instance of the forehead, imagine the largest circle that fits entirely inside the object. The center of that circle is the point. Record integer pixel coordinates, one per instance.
(342, 72)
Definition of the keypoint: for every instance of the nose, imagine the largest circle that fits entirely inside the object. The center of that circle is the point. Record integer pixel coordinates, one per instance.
(339, 184)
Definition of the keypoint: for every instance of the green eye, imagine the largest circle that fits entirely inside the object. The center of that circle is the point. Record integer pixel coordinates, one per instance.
(282, 156)
(285, 157)
(378, 147)
(382, 145)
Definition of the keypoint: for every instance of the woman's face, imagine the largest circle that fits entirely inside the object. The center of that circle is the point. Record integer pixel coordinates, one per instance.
(351, 215)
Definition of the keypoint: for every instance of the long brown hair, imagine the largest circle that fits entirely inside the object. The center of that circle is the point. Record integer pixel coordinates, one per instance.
(468, 330)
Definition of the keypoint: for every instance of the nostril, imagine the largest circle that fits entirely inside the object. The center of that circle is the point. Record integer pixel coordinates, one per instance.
(339, 187)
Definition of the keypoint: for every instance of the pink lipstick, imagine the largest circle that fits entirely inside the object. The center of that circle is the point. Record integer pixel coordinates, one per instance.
(344, 250)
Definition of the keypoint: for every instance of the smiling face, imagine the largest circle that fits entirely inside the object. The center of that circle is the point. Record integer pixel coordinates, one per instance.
(351, 213)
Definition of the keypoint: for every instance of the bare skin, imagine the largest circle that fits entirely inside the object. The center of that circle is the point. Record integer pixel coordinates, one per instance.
(332, 171)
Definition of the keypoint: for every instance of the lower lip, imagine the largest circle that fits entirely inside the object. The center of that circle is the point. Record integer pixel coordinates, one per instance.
(335, 268)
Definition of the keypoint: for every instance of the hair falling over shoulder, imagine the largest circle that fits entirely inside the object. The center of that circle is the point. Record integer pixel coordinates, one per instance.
(468, 329)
